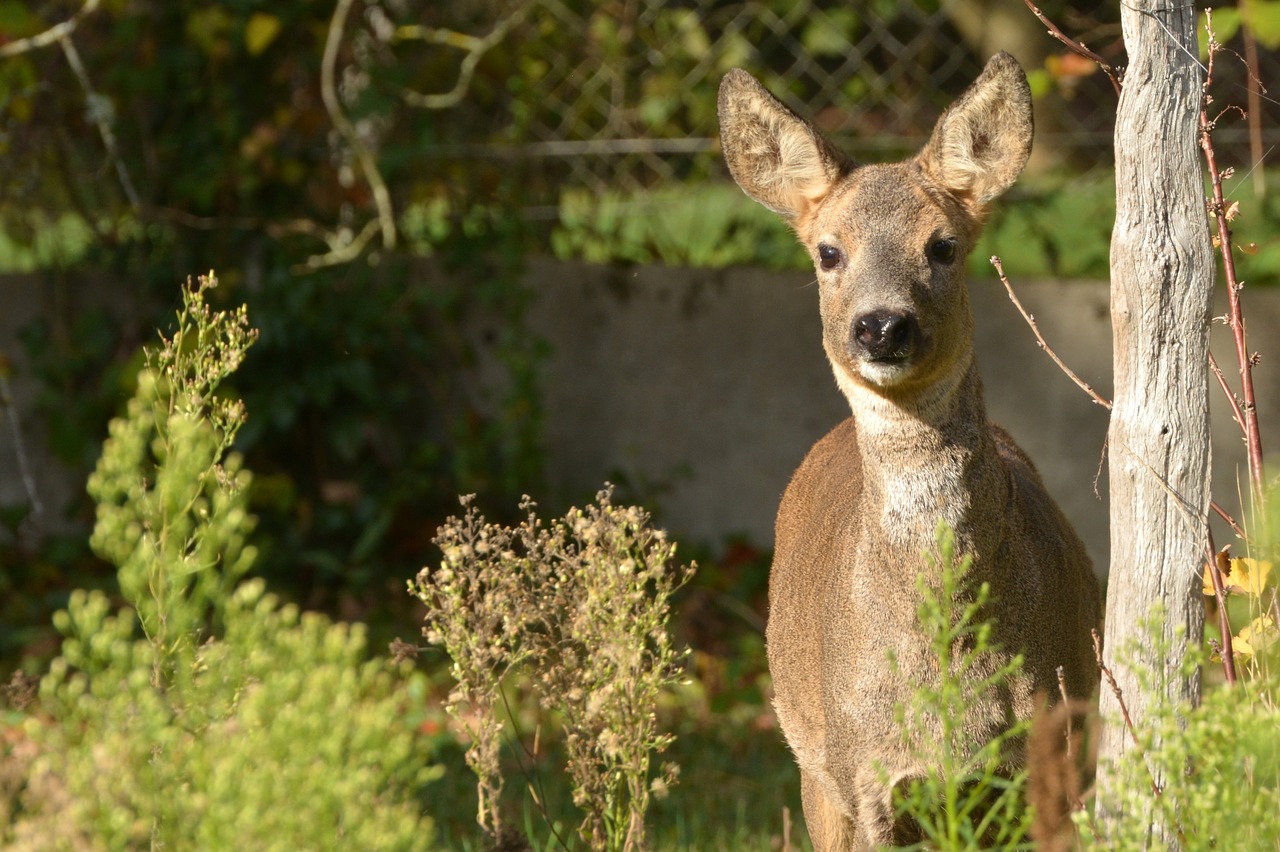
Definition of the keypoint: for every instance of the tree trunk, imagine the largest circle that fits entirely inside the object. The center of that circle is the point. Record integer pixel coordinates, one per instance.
(1161, 292)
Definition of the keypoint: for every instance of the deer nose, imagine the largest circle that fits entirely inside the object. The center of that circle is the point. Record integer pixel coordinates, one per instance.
(885, 335)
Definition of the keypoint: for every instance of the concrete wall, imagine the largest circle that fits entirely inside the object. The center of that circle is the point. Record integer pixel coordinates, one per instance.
(714, 383)
(706, 388)
(54, 299)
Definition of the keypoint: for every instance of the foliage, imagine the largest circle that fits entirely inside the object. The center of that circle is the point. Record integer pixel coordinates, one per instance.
(1261, 17)
(975, 798)
(581, 603)
(1219, 762)
(243, 169)
(171, 515)
(231, 719)
(1250, 601)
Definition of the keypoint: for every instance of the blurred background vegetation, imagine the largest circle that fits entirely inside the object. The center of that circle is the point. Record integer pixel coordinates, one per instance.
(370, 175)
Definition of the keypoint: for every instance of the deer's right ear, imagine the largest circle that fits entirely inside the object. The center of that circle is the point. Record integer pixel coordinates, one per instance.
(776, 157)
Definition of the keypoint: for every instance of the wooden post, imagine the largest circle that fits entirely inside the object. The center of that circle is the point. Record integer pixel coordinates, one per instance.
(1161, 297)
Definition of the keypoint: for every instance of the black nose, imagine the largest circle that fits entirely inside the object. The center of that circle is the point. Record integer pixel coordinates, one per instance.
(885, 335)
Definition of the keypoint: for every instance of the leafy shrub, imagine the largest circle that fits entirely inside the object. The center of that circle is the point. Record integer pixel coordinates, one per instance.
(976, 797)
(205, 714)
(1220, 762)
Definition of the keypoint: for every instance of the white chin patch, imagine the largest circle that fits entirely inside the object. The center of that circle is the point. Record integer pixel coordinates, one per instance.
(883, 374)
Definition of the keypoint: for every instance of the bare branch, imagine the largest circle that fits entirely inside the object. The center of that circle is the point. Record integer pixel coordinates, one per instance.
(1219, 567)
(1081, 383)
(1246, 413)
(343, 247)
(19, 446)
(329, 93)
(49, 36)
(1076, 46)
(475, 49)
(100, 113)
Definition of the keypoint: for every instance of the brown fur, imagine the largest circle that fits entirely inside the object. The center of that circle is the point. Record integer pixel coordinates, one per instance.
(861, 510)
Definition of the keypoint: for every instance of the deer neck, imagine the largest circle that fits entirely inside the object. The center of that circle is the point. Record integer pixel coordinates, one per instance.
(929, 457)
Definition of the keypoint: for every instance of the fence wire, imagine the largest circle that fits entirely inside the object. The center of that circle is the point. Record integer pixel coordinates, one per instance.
(619, 95)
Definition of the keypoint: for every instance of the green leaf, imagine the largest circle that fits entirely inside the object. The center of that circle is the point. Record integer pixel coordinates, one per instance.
(16, 20)
(1262, 17)
(261, 30)
(1041, 83)
(206, 27)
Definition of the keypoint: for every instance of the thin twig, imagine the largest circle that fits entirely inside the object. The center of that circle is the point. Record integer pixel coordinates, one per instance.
(475, 48)
(1115, 690)
(100, 111)
(531, 775)
(19, 446)
(1066, 704)
(1081, 383)
(1236, 414)
(1219, 567)
(1124, 708)
(1076, 46)
(49, 36)
(343, 247)
(1235, 313)
(1231, 522)
(98, 107)
(329, 94)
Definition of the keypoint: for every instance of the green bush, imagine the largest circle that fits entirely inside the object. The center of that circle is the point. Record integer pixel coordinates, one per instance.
(205, 715)
(1219, 761)
(976, 797)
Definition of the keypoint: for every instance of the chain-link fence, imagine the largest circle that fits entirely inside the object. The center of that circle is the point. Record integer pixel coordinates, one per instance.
(620, 95)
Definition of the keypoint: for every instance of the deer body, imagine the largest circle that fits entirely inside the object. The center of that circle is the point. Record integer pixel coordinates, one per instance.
(889, 243)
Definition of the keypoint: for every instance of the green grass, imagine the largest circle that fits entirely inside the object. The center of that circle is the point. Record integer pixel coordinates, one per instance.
(735, 781)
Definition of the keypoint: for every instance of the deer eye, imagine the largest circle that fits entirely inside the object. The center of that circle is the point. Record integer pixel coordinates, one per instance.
(942, 251)
(829, 257)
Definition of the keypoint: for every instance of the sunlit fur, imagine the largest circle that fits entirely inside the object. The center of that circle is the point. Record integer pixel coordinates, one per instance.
(863, 507)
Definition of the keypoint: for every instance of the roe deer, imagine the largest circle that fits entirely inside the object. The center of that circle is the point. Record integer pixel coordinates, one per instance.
(889, 243)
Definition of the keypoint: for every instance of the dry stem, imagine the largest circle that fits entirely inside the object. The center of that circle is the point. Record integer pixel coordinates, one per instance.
(1235, 314)
(1219, 567)
(58, 32)
(1081, 383)
(1076, 46)
(329, 94)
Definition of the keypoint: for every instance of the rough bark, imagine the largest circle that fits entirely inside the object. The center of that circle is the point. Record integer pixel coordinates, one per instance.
(1161, 291)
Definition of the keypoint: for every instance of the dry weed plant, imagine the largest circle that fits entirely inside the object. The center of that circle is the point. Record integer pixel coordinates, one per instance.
(1062, 753)
(581, 605)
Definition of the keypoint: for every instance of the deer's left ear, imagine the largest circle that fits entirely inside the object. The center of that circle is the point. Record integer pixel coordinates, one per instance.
(982, 142)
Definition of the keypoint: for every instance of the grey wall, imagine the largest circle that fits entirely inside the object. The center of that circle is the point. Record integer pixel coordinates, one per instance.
(714, 383)
(56, 300)
(706, 388)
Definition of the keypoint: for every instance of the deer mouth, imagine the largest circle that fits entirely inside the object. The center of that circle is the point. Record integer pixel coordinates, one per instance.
(891, 367)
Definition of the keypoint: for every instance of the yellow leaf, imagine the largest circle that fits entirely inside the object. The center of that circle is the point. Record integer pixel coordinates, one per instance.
(1255, 637)
(261, 30)
(1248, 576)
